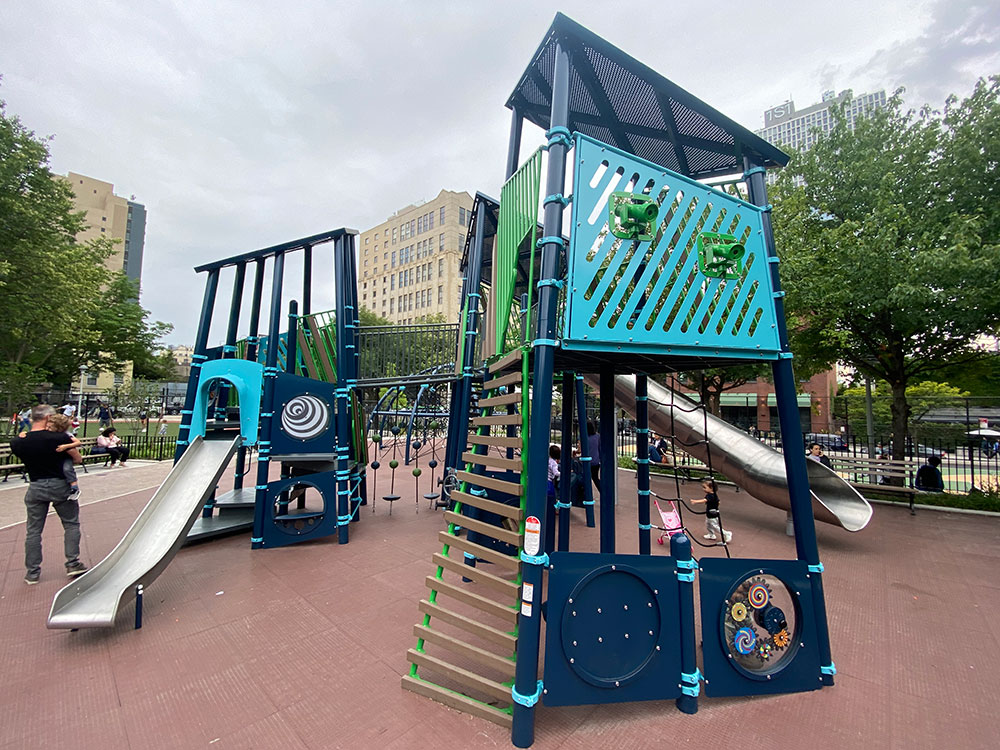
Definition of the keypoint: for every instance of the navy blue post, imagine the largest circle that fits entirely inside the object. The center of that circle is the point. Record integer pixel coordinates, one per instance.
(251, 354)
(267, 402)
(307, 263)
(526, 688)
(353, 364)
(609, 460)
(461, 398)
(291, 348)
(680, 550)
(253, 335)
(642, 460)
(200, 346)
(585, 457)
(138, 606)
(342, 393)
(800, 501)
(566, 461)
(513, 143)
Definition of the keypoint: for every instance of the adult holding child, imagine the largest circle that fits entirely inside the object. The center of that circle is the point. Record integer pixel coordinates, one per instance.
(44, 464)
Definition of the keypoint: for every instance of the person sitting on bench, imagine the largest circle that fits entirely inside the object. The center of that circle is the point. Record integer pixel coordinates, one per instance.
(111, 444)
(929, 477)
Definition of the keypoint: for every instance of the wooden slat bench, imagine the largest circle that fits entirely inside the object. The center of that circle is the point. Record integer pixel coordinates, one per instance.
(887, 472)
(9, 463)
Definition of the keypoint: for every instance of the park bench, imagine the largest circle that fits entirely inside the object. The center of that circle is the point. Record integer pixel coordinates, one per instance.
(880, 475)
(89, 456)
(10, 463)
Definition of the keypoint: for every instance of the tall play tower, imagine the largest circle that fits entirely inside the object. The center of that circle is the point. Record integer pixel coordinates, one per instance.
(655, 271)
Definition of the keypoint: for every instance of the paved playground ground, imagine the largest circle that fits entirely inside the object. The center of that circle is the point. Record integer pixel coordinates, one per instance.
(303, 647)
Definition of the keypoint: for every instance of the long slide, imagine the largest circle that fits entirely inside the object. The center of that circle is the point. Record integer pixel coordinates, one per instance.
(753, 466)
(93, 599)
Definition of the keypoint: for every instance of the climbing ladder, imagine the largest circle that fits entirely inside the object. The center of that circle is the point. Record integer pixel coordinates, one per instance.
(466, 649)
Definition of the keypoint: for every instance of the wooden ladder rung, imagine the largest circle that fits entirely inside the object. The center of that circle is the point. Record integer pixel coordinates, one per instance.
(513, 378)
(492, 459)
(481, 527)
(457, 701)
(462, 594)
(479, 575)
(470, 679)
(507, 398)
(490, 506)
(479, 655)
(497, 441)
(506, 361)
(497, 419)
(509, 562)
(490, 483)
(493, 635)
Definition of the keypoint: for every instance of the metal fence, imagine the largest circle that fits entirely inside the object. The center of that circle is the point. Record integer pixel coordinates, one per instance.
(390, 354)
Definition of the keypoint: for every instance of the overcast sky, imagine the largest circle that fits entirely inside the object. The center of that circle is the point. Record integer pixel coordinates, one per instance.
(240, 125)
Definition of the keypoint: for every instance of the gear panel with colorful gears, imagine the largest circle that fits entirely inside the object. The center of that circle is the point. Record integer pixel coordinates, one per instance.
(756, 628)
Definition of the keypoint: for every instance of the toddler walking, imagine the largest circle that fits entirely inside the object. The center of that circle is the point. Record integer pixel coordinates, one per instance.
(711, 501)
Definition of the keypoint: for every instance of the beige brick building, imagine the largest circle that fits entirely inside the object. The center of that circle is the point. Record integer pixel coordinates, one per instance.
(408, 266)
(110, 215)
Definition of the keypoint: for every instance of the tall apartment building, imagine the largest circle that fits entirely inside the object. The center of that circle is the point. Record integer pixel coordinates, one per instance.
(791, 128)
(111, 216)
(408, 266)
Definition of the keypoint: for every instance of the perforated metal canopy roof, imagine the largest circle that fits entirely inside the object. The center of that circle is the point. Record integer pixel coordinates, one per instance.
(615, 98)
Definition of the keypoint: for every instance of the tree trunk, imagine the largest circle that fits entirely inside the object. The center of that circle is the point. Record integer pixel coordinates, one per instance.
(900, 417)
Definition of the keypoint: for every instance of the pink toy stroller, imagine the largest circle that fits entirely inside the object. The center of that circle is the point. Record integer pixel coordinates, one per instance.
(671, 520)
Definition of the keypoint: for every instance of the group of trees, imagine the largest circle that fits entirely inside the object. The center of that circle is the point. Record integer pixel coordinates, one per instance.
(889, 237)
(61, 307)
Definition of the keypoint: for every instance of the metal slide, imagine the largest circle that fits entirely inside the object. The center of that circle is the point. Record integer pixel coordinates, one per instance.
(93, 599)
(755, 467)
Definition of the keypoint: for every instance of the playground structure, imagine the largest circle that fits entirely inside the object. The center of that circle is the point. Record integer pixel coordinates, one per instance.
(658, 272)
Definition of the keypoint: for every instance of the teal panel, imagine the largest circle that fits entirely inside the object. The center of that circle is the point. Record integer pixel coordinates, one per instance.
(649, 294)
(248, 379)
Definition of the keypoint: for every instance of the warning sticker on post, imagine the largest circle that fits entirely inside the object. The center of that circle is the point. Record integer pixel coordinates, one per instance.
(532, 535)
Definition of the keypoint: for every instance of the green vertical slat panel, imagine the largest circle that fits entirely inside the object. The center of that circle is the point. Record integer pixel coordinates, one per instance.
(518, 217)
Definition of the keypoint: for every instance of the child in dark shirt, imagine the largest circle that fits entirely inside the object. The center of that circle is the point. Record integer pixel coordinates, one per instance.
(711, 501)
(62, 423)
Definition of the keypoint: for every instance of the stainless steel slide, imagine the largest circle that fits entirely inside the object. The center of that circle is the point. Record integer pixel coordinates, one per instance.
(93, 599)
(755, 467)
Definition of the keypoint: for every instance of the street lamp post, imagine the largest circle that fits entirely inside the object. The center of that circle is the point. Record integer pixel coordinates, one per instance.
(79, 398)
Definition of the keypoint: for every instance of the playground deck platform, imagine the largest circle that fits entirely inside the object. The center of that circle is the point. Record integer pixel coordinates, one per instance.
(304, 646)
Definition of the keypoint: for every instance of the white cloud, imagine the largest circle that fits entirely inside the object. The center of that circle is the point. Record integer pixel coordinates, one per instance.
(240, 126)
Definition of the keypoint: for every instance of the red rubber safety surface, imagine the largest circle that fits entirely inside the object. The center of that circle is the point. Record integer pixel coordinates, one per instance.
(304, 646)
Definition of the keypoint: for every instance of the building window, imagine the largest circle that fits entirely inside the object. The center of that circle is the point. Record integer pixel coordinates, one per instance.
(392, 281)
(393, 258)
(430, 220)
(440, 295)
(441, 217)
(392, 306)
(440, 266)
(91, 379)
(441, 241)
(119, 379)
(394, 232)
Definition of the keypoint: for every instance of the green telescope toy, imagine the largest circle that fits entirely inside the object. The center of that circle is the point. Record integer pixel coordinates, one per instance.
(720, 255)
(632, 216)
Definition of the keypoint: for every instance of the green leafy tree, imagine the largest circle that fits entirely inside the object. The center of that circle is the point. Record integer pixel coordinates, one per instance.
(921, 398)
(888, 241)
(711, 383)
(60, 306)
